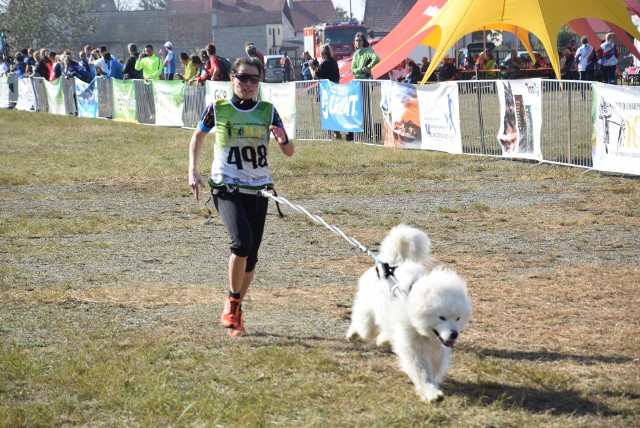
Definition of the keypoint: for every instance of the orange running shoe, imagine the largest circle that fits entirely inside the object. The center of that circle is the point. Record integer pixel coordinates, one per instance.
(240, 330)
(231, 314)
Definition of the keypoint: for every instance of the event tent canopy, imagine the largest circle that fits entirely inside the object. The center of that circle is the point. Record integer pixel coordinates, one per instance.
(440, 23)
(544, 18)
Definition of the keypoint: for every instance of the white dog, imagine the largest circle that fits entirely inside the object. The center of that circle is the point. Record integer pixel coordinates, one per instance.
(421, 319)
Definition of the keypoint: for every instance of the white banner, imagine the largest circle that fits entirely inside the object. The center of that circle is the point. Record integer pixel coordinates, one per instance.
(26, 96)
(440, 117)
(4, 91)
(217, 90)
(169, 99)
(616, 128)
(521, 113)
(283, 97)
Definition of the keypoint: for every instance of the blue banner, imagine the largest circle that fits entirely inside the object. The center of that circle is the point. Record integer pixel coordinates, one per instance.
(341, 106)
(87, 94)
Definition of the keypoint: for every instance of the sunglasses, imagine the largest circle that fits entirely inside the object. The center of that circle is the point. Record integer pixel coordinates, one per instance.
(244, 78)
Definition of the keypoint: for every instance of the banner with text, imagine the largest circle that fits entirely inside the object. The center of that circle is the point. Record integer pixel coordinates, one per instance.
(616, 129)
(87, 96)
(169, 98)
(283, 98)
(521, 113)
(341, 106)
(440, 117)
(55, 97)
(217, 90)
(124, 101)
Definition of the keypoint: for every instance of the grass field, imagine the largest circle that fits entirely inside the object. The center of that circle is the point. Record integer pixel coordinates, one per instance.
(111, 285)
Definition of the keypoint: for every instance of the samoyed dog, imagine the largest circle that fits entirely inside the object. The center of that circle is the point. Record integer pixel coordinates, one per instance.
(419, 313)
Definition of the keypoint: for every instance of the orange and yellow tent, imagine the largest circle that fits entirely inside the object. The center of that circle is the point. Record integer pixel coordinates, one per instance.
(544, 18)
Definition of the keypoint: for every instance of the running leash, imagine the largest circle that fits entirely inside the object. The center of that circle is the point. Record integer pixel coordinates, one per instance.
(387, 271)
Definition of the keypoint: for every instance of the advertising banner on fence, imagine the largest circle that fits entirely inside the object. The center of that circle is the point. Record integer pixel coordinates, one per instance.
(124, 101)
(217, 90)
(440, 117)
(616, 129)
(341, 106)
(87, 95)
(283, 97)
(55, 97)
(521, 117)
(26, 95)
(4, 91)
(169, 98)
(399, 104)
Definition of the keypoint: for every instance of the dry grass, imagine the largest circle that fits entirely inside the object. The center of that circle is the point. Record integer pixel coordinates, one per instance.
(110, 287)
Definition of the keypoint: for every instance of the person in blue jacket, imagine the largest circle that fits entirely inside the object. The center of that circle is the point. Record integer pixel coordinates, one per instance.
(116, 70)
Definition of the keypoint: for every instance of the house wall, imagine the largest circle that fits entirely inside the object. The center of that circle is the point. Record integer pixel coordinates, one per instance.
(230, 41)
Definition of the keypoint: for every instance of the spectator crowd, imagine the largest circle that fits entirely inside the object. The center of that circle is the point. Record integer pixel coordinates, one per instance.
(586, 62)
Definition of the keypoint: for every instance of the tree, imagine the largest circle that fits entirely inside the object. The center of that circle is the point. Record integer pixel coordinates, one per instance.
(343, 15)
(153, 4)
(55, 24)
(564, 36)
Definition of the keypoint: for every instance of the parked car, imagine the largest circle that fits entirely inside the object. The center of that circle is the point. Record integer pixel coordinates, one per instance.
(273, 70)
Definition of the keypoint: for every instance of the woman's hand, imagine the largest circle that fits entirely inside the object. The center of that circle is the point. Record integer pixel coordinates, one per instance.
(195, 181)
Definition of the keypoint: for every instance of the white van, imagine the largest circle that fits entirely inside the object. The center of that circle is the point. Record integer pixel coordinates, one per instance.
(273, 70)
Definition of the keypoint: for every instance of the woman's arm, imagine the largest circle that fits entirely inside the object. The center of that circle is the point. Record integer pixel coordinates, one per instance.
(195, 148)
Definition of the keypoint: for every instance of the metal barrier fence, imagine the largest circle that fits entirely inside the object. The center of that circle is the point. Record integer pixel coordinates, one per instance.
(566, 114)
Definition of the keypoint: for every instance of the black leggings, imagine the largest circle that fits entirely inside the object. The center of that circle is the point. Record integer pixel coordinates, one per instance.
(244, 217)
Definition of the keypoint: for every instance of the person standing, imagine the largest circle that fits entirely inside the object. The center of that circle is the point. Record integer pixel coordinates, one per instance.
(169, 62)
(4, 68)
(327, 69)
(129, 71)
(97, 60)
(240, 169)
(306, 68)
(362, 62)
(253, 52)
(116, 70)
(287, 67)
(609, 59)
(189, 68)
(364, 58)
(213, 65)
(586, 58)
(149, 63)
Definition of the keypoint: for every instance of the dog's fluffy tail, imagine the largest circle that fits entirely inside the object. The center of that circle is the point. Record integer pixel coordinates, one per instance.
(405, 243)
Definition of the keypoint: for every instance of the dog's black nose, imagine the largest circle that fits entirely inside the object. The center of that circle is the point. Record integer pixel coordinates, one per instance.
(453, 335)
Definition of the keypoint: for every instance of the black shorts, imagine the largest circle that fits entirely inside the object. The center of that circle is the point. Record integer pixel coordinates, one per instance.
(244, 217)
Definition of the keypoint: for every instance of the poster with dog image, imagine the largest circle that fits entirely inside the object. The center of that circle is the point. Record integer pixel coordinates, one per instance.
(440, 117)
(399, 104)
(616, 124)
(521, 113)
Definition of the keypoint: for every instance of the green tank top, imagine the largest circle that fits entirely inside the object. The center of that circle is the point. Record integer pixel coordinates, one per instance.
(241, 143)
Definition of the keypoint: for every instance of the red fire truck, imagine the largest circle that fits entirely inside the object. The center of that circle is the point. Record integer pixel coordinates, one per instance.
(338, 35)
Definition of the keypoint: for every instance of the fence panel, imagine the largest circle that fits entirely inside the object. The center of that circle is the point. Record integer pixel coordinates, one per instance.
(566, 122)
(105, 98)
(479, 117)
(42, 102)
(194, 105)
(69, 93)
(145, 103)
